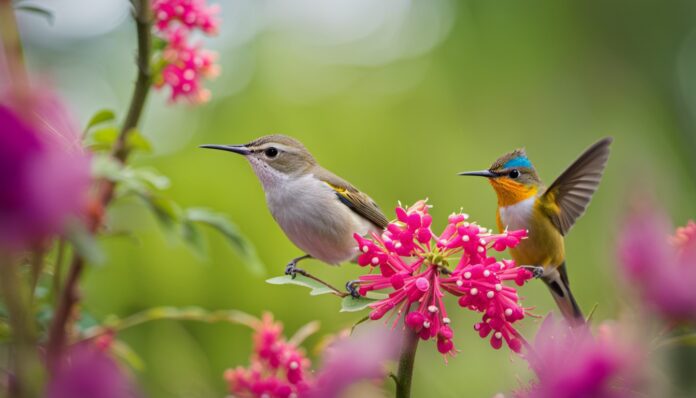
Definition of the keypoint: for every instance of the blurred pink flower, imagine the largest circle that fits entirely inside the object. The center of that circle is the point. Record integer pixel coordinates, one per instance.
(571, 363)
(418, 271)
(44, 173)
(663, 269)
(88, 372)
(358, 357)
(278, 369)
(193, 14)
(184, 64)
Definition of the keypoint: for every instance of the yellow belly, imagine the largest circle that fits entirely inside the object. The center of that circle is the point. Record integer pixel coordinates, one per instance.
(543, 245)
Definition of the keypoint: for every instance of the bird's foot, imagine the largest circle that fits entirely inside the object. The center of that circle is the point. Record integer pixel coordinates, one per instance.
(351, 287)
(536, 270)
(292, 270)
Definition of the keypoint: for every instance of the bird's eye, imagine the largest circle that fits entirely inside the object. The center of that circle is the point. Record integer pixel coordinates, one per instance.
(271, 152)
(514, 173)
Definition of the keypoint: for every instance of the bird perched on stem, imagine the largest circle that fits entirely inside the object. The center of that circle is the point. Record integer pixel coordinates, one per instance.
(547, 214)
(318, 211)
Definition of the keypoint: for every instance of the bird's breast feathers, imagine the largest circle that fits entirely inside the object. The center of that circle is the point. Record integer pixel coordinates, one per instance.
(516, 216)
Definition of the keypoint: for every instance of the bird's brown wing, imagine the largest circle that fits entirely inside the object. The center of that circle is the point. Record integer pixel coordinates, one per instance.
(572, 190)
(350, 196)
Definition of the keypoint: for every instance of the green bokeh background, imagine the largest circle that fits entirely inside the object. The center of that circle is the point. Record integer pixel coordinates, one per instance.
(552, 76)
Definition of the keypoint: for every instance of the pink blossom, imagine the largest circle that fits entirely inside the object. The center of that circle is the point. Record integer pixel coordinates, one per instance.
(419, 267)
(663, 269)
(185, 65)
(44, 173)
(278, 369)
(571, 363)
(193, 14)
(351, 359)
(89, 372)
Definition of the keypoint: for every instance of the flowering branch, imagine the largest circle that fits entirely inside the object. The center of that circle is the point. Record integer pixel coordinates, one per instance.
(69, 295)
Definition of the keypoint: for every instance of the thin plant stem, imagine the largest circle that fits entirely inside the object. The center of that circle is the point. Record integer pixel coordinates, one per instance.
(406, 361)
(69, 295)
(58, 270)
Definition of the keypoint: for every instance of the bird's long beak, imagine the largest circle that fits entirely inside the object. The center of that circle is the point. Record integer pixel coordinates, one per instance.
(240, 149)
(480, 173)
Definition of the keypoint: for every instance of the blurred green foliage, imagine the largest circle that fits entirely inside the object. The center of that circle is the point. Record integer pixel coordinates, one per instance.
(553, 76)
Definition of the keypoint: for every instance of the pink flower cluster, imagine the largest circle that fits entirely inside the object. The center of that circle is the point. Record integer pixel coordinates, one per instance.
(185, 64)
(278, 369)
(663, 269)
(419, 267)
(571, 363)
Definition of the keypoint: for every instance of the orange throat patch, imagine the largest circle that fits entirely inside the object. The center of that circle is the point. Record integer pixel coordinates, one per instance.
(511, 192)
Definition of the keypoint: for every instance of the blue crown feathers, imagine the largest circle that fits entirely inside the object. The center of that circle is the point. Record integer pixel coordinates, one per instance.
(520, 161)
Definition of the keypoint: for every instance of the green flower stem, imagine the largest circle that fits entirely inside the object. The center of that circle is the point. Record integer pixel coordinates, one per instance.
(69, 296)
(26, 366)
(406, 361)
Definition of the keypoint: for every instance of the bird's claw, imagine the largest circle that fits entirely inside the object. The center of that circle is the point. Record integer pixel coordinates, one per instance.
(292, 270)
(536, 270)
(350, 287)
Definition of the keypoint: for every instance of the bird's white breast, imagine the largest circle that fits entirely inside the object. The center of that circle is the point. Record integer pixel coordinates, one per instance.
(311, 215)
(517, 216)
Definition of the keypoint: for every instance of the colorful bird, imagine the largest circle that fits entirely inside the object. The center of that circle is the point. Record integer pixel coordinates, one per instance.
(547, 213)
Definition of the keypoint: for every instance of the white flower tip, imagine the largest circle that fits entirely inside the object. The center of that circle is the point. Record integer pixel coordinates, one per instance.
(473, 291)
(467, 275)
(498, 335)
(486, 273)
(490, 294)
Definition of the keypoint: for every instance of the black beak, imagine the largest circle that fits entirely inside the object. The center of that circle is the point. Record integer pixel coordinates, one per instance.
(240, 149)
(480, 173)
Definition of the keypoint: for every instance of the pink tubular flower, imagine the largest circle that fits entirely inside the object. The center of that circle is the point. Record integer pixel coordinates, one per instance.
(419, 267)
(193, 14)
(44, 173)
(663, 269)
(184, 65)
(571, 363)
(278, 369)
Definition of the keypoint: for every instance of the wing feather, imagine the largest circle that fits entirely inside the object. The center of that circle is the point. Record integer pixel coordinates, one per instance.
(356, 200)
(573, 190)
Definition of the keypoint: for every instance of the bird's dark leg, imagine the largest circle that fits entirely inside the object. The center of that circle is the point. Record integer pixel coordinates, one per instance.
(536, 270)
(352, 289)
(292, 270)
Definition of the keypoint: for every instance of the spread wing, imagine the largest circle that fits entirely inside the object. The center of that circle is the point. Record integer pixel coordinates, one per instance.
(572, 190)
(357, 201)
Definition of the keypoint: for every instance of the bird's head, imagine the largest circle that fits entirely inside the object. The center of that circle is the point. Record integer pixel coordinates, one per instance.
(512, 176)
(273, 157)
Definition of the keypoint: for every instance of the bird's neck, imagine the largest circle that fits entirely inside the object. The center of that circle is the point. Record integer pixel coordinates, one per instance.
(511, 192)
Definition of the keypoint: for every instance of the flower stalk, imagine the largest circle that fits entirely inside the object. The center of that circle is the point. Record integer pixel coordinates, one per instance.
(407, 359)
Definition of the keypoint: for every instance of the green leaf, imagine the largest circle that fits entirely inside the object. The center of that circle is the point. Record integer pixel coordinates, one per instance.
(192, 236)
(104, 166)
(102, 139)
(136, 141)
(167, 212)
(352, 304)
(317, 288)
(101, 116)
(239, 242)
(85, 244)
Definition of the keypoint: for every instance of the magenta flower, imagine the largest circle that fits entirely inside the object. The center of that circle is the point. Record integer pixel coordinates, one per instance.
(193, 14)
(89, 372)
(571, 363)
(663, 269)
(419, 267)
(278, 369)
(44, 173)
(184, 65)
(351, 359)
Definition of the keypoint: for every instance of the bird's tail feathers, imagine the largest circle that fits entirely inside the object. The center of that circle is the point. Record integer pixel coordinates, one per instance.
(557, 282)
